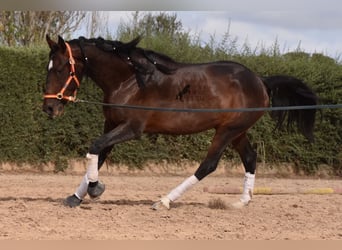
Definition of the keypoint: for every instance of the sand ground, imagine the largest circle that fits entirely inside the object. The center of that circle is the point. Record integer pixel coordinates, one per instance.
(31, 207)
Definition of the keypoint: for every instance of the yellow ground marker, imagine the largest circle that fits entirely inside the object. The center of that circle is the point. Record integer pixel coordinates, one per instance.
(270, 191)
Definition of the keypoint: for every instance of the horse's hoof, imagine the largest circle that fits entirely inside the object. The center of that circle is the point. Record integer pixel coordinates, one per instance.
(96, 191)
(72, 201)
(162, 203)
(239, 204)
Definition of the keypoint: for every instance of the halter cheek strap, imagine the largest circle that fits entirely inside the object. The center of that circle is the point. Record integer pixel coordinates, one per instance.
(60, 95)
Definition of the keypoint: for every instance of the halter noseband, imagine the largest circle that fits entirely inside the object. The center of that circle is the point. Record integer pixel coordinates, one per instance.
(60, 95)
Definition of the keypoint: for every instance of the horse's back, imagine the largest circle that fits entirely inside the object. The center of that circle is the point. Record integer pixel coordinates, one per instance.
(228, 77)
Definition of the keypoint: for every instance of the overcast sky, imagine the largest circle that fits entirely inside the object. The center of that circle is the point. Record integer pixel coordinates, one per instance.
(314, 25)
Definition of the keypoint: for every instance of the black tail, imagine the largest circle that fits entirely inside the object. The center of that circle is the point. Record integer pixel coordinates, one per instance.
(290, 91)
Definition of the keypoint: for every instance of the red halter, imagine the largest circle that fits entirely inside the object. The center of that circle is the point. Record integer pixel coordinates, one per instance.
(60, 95)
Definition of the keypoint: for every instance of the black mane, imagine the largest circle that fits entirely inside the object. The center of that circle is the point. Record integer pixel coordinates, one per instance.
(145, 62)
(148, 64)
(109, 46)
(162, 62)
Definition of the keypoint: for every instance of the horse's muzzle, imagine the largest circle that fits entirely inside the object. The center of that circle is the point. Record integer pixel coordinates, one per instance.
(53, 109)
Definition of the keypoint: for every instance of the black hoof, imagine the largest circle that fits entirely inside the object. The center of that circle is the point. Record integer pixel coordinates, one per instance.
(96, 190)
(72, 201)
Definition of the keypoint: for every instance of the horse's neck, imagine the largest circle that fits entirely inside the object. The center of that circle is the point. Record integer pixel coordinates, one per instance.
(107, 71)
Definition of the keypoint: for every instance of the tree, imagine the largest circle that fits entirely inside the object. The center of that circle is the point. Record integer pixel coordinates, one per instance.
(22, 28)
(151, 25)
(162, 32)
(97, 23)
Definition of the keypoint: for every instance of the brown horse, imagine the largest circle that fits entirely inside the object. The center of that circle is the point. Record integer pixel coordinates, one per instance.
(129, 75)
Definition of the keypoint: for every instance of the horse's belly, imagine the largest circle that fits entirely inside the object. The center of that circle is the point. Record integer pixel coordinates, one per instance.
(186, 123)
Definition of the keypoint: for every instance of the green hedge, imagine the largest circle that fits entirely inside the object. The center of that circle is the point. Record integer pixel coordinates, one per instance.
(28, 136)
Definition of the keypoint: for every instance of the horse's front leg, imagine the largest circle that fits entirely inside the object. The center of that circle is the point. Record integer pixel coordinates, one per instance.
(98, 150)
(95, 188)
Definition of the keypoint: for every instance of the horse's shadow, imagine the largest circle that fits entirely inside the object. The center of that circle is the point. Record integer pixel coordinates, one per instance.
(87, 204)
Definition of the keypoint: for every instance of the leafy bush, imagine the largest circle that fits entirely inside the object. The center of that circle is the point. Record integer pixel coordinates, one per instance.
(27, 135)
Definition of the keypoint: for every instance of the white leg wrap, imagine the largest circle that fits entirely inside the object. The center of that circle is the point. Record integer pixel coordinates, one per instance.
(81, 191)
(176, 193)
(248, 188)
(184, 186)
(92, 169)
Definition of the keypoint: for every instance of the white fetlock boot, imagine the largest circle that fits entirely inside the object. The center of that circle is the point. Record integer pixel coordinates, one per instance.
(247, 193)
(162, 203)
(175, 193)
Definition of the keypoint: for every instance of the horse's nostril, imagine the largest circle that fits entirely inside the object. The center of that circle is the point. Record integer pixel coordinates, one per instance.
(48, 109)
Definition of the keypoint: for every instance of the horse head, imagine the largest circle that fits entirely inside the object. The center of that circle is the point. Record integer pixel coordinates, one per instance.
(63, 77)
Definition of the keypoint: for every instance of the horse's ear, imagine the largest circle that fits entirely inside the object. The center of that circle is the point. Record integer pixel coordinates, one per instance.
(61, 43)
(136, 40)
(52, 44)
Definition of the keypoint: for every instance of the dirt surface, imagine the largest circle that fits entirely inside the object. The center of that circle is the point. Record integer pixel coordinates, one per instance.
(31, 207)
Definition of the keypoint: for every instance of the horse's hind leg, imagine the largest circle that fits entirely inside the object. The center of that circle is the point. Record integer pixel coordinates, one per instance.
(248, 157)
(221, 140)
